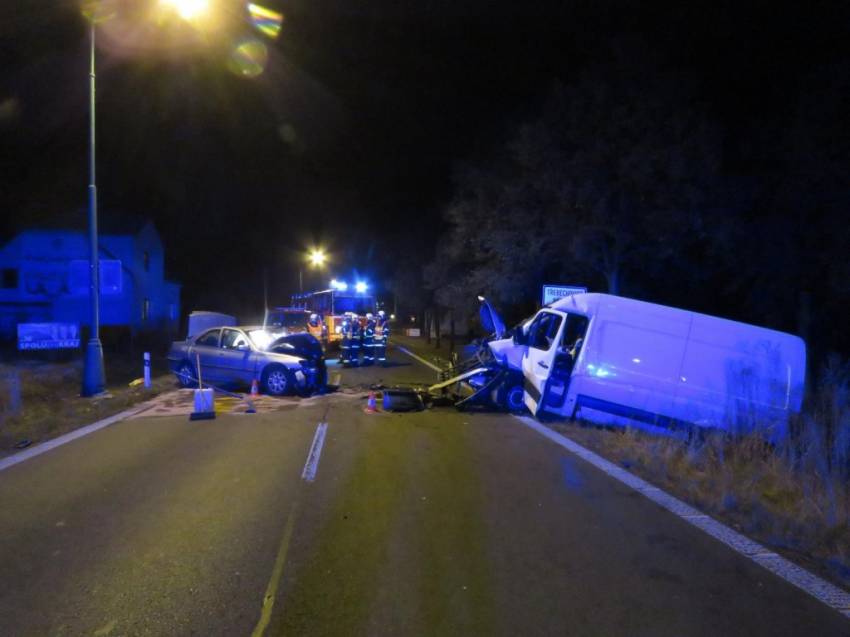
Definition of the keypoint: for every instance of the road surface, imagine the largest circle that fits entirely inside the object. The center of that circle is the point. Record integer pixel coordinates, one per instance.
(433, 523)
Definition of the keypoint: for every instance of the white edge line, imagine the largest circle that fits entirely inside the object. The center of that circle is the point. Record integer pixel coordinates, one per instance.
(420, 359)
(820, 589)
(311, 466)
(44, 447)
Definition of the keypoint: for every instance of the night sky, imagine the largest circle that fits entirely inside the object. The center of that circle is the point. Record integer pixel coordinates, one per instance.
(349, 136)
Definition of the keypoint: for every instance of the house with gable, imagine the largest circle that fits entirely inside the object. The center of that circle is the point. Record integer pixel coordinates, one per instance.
(44, 277)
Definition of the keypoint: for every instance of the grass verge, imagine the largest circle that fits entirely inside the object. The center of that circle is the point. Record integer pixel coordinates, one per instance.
(48, 402)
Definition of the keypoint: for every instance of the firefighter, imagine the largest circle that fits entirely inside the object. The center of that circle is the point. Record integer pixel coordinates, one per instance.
(316, 327)
(345, 351)
(382, 333)
(367, 339)
(354, 338)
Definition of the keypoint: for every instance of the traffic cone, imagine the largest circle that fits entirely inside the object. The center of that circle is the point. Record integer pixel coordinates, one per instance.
(255, 388)
(371, 404)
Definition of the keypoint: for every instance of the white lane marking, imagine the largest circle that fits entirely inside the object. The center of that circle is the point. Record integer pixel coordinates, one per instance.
(818, 588)
(44, 447)
(312, 464)
(421, 360)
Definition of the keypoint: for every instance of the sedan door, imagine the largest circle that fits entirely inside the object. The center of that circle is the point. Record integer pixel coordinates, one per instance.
(205, 352)
(537, 362)
(235, 358)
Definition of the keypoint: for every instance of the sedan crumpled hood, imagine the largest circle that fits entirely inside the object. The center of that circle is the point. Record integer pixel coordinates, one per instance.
(284, 359)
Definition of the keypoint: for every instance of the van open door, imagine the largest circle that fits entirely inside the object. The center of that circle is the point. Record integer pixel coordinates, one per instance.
(490, 319)
(543, 339)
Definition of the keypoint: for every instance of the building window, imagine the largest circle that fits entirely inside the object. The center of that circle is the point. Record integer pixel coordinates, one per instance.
(9, 279)
(146, 310)
(146, 261)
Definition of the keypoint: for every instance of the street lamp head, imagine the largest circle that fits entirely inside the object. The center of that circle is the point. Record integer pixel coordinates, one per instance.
(317, 258)
(188, 9)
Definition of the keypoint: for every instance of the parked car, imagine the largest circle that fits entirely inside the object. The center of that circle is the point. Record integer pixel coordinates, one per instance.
(614, 360)
(282, 364)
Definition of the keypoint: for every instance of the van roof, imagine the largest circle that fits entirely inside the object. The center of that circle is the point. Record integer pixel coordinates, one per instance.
(590, 302)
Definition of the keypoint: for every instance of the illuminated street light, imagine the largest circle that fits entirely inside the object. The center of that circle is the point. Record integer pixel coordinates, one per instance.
(317, 258)
(188, 9)
(94, 375)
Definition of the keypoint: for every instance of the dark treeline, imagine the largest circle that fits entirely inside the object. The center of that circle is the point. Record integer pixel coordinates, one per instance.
(625, 181)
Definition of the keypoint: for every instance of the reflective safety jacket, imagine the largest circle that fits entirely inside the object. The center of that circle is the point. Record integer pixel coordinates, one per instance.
(382, 330)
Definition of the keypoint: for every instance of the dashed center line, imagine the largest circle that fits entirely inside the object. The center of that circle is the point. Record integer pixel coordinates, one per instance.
(312, 464)
(311, 467)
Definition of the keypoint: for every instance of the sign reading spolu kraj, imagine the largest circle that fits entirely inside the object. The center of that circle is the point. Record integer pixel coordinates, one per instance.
(48, 336)
(552, 293)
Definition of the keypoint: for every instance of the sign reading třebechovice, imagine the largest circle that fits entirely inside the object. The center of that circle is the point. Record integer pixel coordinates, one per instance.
(552, 293)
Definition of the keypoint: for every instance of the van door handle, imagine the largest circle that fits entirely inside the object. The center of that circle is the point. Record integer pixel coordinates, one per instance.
(542, 364)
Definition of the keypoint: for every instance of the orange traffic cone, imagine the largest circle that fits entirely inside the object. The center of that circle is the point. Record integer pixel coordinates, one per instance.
(371, 404)
(255, 388)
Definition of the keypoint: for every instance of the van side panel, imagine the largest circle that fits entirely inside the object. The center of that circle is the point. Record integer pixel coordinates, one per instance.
(631, 359)
(740, 377)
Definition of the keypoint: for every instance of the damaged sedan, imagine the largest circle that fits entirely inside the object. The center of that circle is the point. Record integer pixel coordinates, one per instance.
(281, 364)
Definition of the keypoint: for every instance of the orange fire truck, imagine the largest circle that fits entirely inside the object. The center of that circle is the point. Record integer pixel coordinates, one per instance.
(332, 304)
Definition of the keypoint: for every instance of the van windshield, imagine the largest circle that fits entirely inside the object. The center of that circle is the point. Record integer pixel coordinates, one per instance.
(544, 330)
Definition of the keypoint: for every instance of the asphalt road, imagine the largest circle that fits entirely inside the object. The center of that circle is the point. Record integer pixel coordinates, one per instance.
(433, 523)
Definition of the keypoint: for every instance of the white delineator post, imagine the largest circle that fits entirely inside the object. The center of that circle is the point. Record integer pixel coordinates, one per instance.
(147, 370)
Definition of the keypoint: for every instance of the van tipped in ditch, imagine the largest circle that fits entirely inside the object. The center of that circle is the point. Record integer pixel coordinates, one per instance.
(618, 361)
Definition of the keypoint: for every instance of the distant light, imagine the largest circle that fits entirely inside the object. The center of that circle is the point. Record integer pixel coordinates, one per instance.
(339, 285)
(188, 9)
(635, 360)
(265, 20)
(392, 317)
(412, 319)
(317, 257)
(361, 287)
(480, 299)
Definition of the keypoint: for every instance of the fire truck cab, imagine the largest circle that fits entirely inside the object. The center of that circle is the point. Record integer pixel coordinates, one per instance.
(332, 304)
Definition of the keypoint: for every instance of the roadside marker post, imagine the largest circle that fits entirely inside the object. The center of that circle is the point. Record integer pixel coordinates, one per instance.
(147, 370)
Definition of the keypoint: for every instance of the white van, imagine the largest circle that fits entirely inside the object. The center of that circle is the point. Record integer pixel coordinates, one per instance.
(618, 361)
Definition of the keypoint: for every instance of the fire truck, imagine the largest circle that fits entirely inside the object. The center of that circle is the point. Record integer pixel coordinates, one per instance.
(290, 320)
(333, 303)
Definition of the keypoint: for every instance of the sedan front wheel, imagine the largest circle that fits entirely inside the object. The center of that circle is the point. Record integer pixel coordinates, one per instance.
(277, 381)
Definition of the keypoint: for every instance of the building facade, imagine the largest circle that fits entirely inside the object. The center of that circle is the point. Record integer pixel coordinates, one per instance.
(44, 278)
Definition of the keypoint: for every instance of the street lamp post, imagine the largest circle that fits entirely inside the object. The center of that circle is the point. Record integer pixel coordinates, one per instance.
(94, 377)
